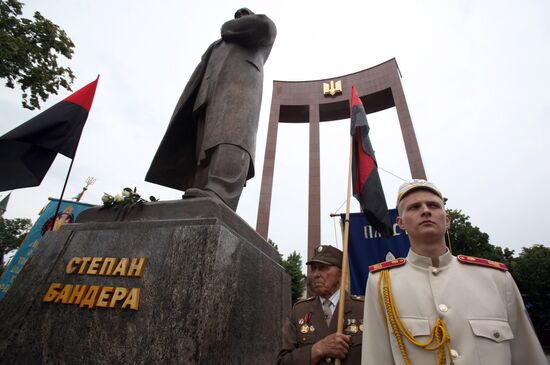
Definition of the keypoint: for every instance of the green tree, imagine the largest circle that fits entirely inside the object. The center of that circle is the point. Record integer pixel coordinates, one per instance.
(531, 270)
(274, 245)
(12, 233)
(293, 267)
(467, 239)
(29, 49)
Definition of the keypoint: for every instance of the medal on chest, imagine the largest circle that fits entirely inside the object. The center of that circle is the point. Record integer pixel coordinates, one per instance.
(305, 325)
(354, 326)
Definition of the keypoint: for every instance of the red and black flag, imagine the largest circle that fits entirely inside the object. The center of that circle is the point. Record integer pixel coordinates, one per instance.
(28, 151)
(367, 187)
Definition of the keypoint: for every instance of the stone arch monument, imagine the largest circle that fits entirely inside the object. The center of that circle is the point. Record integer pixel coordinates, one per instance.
(324, 100)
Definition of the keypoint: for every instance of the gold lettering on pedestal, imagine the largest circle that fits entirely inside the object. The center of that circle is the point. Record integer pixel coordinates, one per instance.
(52, 292)
(137, 267)
(108, 266)
(132, 300)
(84, 264)
(121, 268)
(77, 294)
(104, 296)
(73, 265)
(119, 294)
(63, 297)
(92, 296)
(94, 265)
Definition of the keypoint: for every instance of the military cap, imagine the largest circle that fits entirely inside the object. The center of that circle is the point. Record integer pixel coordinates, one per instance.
(328, 255)
(417, 184)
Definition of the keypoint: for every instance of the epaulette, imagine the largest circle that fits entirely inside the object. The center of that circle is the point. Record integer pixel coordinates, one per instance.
(359, 298)
(387, 264)
(304, 300)
(482, 262)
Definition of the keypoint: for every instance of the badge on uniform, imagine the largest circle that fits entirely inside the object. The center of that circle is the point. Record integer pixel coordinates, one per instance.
(305, 326)
(354, 326)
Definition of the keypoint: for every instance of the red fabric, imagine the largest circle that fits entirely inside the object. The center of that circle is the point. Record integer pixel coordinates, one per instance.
(85, 96)
(367, 187)
(365, 163)
(355, 100)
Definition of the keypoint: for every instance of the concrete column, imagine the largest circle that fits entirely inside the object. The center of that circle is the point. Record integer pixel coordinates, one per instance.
(407, 130)
(314, 204)
(262, 222)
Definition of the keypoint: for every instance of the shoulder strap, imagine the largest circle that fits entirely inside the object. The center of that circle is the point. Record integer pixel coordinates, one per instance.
(387, 264)
(481, 262)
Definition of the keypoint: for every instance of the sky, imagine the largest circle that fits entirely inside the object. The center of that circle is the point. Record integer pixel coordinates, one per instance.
(475, 75)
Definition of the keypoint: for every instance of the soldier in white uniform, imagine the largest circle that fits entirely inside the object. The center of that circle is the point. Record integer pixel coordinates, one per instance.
(435, 308)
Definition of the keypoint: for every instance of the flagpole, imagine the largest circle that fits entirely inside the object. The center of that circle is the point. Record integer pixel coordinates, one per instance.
(62, 193)
(345, 261)
(88, 97)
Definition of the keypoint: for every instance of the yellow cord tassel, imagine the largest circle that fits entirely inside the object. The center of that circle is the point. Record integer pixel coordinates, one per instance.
(439, 341)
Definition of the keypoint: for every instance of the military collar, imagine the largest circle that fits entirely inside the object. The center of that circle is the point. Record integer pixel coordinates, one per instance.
(336, 297)
(426, 262)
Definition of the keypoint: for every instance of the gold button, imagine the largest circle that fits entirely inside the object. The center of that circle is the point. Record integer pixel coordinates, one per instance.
(443, 308)
(454, 354)
(496, 334)
(435, 271)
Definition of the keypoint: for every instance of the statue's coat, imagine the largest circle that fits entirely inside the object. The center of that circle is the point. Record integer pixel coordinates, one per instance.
(225, 93)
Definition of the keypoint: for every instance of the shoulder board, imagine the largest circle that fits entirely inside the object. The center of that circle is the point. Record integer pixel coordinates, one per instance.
(482, 262)
(387, 265)
(359, 298)
(305, 300)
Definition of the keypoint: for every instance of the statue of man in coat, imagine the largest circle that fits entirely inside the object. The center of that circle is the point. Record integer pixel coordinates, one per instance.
(208, 149)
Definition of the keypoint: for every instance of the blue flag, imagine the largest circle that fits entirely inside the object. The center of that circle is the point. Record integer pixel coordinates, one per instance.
(69, 210)
(367, 247)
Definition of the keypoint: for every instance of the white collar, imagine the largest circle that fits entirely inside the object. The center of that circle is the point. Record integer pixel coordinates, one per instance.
(334, 298)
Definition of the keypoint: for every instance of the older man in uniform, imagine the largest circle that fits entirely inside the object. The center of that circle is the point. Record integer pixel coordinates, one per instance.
(309, 334)
(435, 308)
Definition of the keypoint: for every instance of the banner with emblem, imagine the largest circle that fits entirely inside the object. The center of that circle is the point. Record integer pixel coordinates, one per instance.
(367, 247)
(68, 211)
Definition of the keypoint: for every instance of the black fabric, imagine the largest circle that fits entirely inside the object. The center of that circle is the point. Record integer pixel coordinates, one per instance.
(373, 205)
(27, 152)
(367, 187)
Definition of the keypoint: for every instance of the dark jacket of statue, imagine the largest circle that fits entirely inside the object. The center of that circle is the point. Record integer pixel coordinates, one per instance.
(224, 91)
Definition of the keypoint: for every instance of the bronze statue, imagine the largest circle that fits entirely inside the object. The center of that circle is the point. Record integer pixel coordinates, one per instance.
(209, 146)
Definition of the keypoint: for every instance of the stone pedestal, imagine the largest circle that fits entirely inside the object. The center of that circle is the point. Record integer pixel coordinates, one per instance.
(211, 291)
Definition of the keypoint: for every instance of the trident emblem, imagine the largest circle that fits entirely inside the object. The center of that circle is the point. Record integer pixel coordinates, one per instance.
(334, 88)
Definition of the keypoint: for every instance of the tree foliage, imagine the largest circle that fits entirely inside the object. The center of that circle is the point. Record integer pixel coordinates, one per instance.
(531, 270)
(274, 245)
(293, 267)
(13, 232)
(467, 239)
(29, 50)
